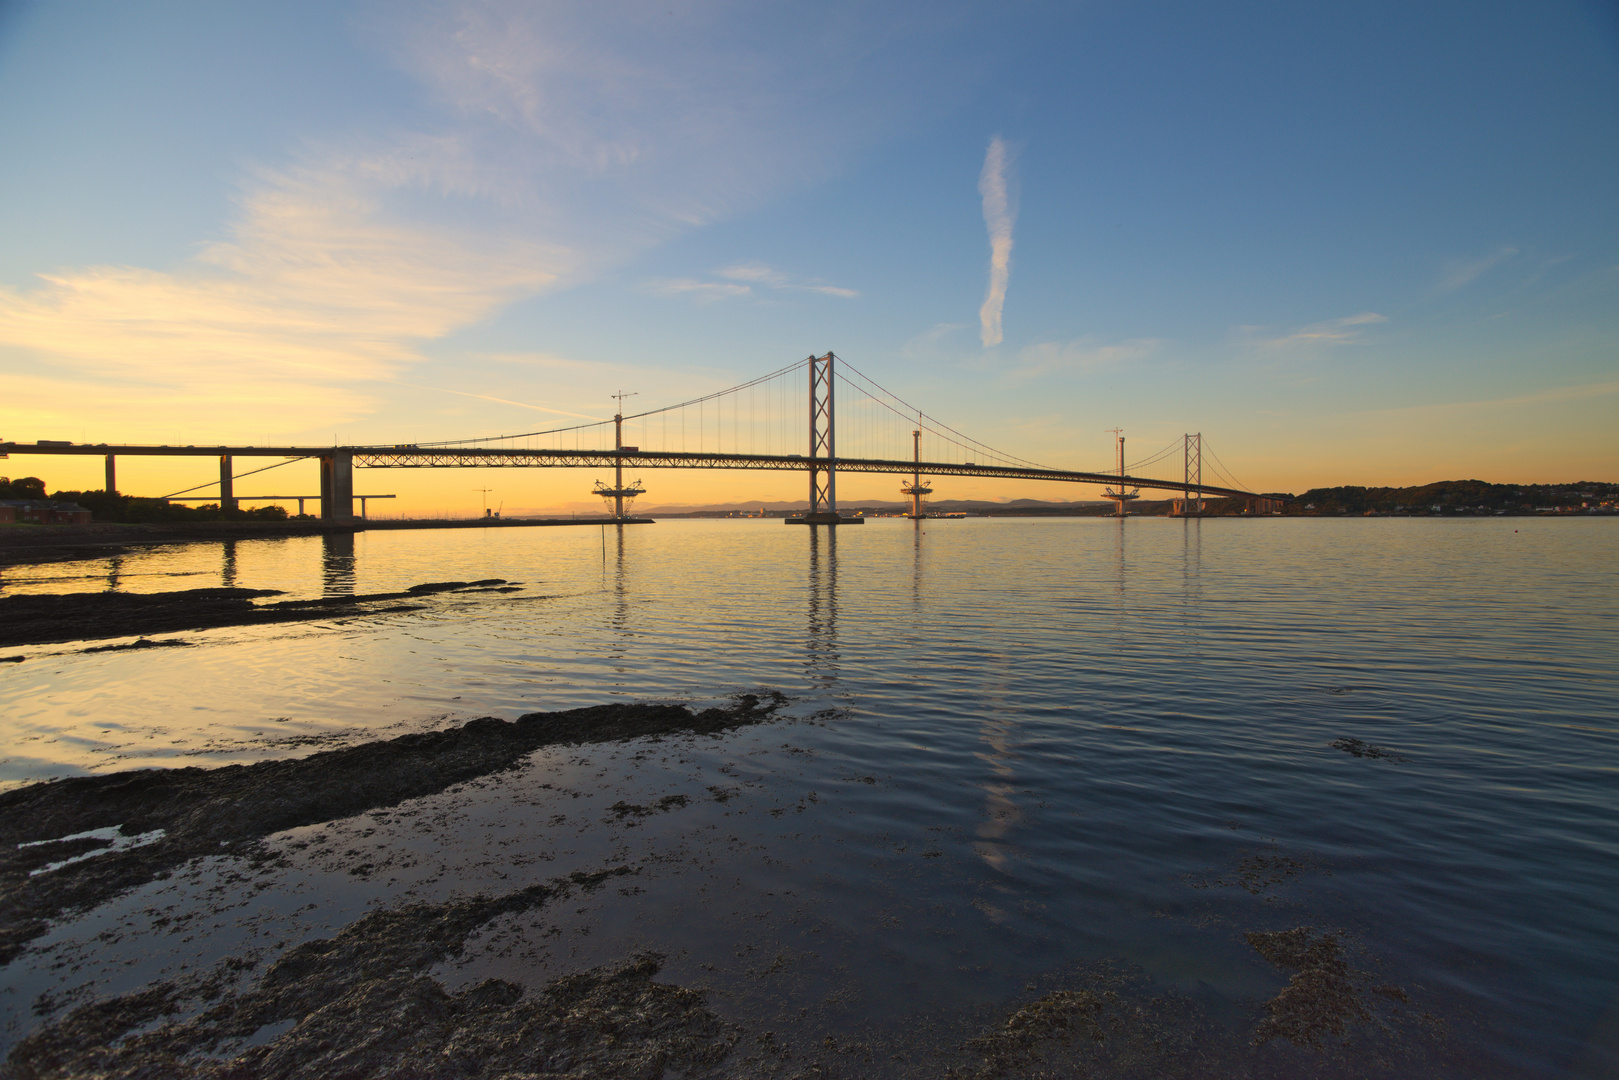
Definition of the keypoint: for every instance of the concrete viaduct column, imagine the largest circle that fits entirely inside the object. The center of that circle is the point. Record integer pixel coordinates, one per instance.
(112, 475)
(227, 484)
(337, 485)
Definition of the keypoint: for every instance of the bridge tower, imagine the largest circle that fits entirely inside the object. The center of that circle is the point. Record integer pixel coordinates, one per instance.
(1192, 479)
(618, 492)
(823, 458)
(916, 489)
(1120, 497)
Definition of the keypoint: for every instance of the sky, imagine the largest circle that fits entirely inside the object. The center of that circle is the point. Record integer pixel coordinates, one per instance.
(1372, 243)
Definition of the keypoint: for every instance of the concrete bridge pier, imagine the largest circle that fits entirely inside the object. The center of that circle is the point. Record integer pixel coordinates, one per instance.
(227, 484)
(112, 475)
(337, 485)
(916, 489)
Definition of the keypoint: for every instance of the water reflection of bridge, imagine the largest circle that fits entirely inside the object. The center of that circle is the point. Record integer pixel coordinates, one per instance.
(821, 614)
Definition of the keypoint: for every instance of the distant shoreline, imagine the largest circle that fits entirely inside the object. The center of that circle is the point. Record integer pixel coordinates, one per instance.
(22, 545)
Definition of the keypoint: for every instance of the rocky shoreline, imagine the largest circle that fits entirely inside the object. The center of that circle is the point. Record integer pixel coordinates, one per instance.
(358, 1005)
(51, 618)
(378, 995)
(166, 817)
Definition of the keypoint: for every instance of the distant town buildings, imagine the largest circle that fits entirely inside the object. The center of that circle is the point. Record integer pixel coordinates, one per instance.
(42, 512)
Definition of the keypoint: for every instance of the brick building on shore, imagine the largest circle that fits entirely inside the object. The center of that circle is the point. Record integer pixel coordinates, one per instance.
(42, 512)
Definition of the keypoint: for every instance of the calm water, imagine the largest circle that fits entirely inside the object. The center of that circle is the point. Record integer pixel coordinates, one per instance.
(1050, 738)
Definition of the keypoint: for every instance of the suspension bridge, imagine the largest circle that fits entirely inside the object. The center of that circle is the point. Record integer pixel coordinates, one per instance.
(791, 419)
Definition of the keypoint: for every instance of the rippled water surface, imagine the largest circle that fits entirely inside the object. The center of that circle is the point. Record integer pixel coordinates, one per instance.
(1050, 742)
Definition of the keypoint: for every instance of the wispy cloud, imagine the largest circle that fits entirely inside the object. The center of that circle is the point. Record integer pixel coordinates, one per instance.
(314, 293)
(1000, 213)
(764, 275)
(704, 292)
(775, 279)
(497, 400)
(1084, 354)
(637, 121)
(549, 361)
(1460, 273)
(1333, 332)
(932, 343)
(559, 140)
(743, 279)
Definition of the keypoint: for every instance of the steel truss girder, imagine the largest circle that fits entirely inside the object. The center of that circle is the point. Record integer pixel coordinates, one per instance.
(606, 459)
(371, 457)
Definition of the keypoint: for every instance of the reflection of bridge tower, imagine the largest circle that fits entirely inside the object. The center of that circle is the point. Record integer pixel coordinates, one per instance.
(916, 489)
(1192, 588)
(1121, 496)
(614, 496)
(337, 563)
(1185, 506)
(823, 459)
(822, 647)
(916, 569)
(619, 618)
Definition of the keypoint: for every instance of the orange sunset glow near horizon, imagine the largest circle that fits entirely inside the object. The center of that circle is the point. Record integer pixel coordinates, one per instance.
(1348, 248)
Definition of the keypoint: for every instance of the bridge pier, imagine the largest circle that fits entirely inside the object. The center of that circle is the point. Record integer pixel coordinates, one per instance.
(337, 485)
(916, 489)
(227, 484)
(618, 492)
(1121, 498)
(112, 475)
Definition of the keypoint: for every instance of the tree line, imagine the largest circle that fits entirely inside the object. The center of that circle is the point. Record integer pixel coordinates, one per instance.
(1451, 496)
(132, 509)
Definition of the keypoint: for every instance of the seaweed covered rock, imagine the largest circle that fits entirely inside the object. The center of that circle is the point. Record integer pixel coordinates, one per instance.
(357, 1005)
(180, 814)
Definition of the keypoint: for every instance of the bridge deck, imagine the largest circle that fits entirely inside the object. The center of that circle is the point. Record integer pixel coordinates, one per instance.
(411, 457)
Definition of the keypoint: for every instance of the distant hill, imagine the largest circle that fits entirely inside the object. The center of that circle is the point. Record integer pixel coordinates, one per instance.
(1455, 497)
(1443, 497)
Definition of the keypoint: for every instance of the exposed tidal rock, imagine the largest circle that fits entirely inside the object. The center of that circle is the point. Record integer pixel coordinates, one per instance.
(194, 812)
(1108, 1024)
(1324, 996)
(356, 1005)
(44, 618)
(1357, 748)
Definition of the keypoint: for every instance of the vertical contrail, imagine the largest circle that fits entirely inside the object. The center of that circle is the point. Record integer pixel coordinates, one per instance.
(999, 214)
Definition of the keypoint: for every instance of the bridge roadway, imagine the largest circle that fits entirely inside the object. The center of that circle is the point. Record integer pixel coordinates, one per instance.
(338, 461)
(388, 457)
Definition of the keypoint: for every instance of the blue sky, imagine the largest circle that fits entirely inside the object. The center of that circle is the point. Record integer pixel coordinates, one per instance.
(1370, 243)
